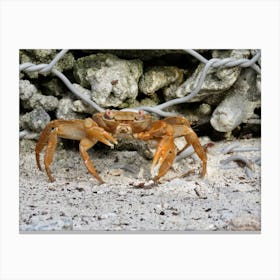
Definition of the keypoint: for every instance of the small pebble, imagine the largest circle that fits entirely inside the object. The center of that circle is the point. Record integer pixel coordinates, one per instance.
(115, 172)
(149, 183)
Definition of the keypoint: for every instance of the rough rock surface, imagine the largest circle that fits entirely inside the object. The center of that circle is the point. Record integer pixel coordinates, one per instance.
(216, 81)
(35, 120)
(113, 81)
(225, 200)
(167, 78)
(32, 98)
(78, 105)
(45, 56)
(66, 110)
(239, 104)
(26, 89)
(69, 108)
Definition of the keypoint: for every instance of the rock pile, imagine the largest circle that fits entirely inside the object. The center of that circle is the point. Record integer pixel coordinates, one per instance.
(228, 103)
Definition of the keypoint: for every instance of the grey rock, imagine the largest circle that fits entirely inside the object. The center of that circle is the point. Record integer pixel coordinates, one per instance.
(167, 78)
(35, 120)
(49, 103)
(149, 102)
(65, 110)
(74, 109)
(113, 81)
(65, 63)
(26, 89)
(82, 90)
(78, 105)
(216, 81)
(238, 105)
(42, 54)
(38, 56)
(196, 113)
(45, 56)
(32, 98)
(142, 147)
(204, 109)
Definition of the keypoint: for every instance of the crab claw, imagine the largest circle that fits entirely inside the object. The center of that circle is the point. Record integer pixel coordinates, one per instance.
(164, 157)
(95, 132)
(103, 136)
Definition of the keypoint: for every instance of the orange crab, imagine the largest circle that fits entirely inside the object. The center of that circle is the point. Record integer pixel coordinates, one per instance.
(110, 125)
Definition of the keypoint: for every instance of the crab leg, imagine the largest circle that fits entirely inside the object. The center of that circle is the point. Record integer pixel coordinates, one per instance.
(193, 140)
(48, 158)
(43, 139)
(182, 127)
(94, 133)
(86, 144)
(62, 127)
(87, 131)
(48, 137)
(164, 157)
(166, 149)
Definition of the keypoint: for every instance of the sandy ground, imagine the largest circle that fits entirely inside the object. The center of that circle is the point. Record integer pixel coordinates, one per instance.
(225, 200)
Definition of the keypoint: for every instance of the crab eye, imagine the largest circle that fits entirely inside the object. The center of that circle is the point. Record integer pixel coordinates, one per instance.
(108, 114)
(140, 115)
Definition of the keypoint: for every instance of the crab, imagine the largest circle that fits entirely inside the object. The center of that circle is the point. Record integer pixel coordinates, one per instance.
(108, 126)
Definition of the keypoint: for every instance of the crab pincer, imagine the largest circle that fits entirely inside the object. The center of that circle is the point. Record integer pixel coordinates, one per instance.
(163, 158)
(166, 149)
